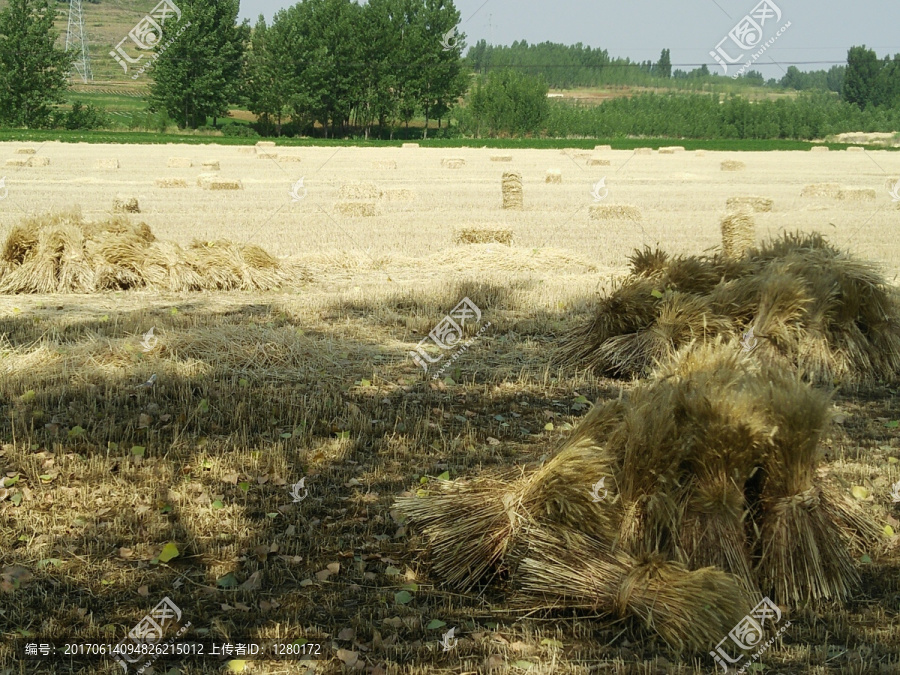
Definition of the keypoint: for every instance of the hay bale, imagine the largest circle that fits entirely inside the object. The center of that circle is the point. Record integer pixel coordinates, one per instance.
(211, 165)
(171, 183)
(819, 148)
(384, 164)
(398, 195)
(359, 190)
(615, 212)
(597, 161)
(179, 163)
(855, 148)
(265, 144)
(643, 151)
(39, 161)
(754, 204)
(512, 190)
(16, 161)
(483, 234)
(289, 158)
(453, 162)
(602, 148)
(126, 205)
(732, 165)
(244, 150)
(553, 176)
(223, 184)
(108, 164)
(820, 190)
(738, 234)
(890, 182)
(671, 149)
(856, 194)
(356, 209)
(501, 158)
(26, 151)
(204, 178)
(266, 155)
(410, 145)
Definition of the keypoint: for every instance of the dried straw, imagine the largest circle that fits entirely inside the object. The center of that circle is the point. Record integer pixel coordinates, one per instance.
(501, 158)
(179, 163)
(384, 164)
(410, 145)
(15, 161)
(26, 151)
(819, 148)
(643, 151)
(602, 148)
(855, 148)
(483, 234)
(553, 176)
(356, 209)
(820, 190)
(265, 144)
(171, 183)
(289, 158)
(453, 162)
(211, 165)
(126, 205)
(266, 155)
(732, 165)
(39, 161)
(738, 234)
(598, 161)
(398, 195)
(360, 190)
(615, 212)
(753, 204)
(856, 194)
(512, 190)
(222, 184)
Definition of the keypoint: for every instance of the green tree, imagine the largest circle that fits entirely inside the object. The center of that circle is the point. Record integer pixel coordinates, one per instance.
(663, 67)
(199, 62)
(266, 83)
(860, 78)
(441, 80)
(508, 102)
(33, 71)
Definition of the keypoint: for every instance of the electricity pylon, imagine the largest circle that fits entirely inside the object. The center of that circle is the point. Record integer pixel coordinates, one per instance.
(77, 40)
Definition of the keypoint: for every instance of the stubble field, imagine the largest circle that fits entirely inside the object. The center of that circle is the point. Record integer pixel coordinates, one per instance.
(255, 391)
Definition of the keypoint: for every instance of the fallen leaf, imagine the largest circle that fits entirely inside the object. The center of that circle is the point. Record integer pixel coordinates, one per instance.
(348, 657)
(402, 597)
(859, 492)
(237, 665)
(434, 624)
(253, 583)
(168, 552)
(227, 581)
(347, 634)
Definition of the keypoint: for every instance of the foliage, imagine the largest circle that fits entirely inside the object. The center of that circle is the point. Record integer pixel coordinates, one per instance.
(507, 102)
(81, 116)
(32, 68)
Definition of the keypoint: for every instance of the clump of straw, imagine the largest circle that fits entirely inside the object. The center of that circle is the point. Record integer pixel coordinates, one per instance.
(512, 190)
(615, 212)
(602, 148)
(754, 204)
(855, 148)
(856, 194)
(501, 158)
(643, 151)
(39, 161)
(360, 190)
(819, 148)
(16, 161)
(398, 195)
(483, 234)
(732, 165)
(179, 163)
(453, 162)
(171, 183)
(26, 151)
(820, 190)
(211, 165)
(553, 176)
(126, 205)
(356, 209)
(265, 144)
(409, 145)
(738, 233)
(289, 158)
(384, 164)
(598, 161)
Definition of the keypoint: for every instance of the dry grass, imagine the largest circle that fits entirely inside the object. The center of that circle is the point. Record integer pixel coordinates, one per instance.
(409, 145)
(511, 188)
(615, 212)
(290, 158)
(179, 163)
(356, 209)
(855, 148)
(821, 190)
(126, 205)
(222, 184)
(671, 149)
(602, 148)
(398, 195)
(267, 155)
(171, 183)
(738, 233)
(732, 165)
(856, 194)
(501, 158)
(211, 165)
(597, 161)
(26, 151)
(553, 176)
(16, 161)
(360, 190)
(483, 234)
(754, 204)
(819, 148)
(265, 144)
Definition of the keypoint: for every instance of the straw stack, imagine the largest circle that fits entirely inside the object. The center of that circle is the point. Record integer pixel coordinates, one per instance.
(553, 176)
(398, 195)
(410, 145)
(597, 161)
(738, 233)
(855, 148)
(819, 148)
(512, 190)
(126, 205)
(483, 234)
(26, 151)
(501, 158)
(453, 162)
(179, 163)
(754, 204)
(265, 144)
(17, 161)
(356, 209)
(39, 161)
(289, 158)
(732, 165)
(602, 148)
(856, 194)
(359, 190)
(171, 183)
(820, 190)
(615, 212)
(211, 165)
(643, 151)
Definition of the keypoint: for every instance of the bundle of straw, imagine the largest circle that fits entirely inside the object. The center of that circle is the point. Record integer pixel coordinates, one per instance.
(453, 162)
(501, 158)
(179, 163)
(26, 151)
(615, 212)
(483, 234)
(820, 190)
(512, 190)
(211, 165)
(39, 161)
(398, 195)
(356, 209)
(360, 190)
(732, 165)
(171, 183)
(126, 205)
(598, 161)
(108, 164)
(643, 151)
(409, 145)
(738, 233)
(754, 204)
(819, 148)
(856, 194)
(553, 176)
(602, 148)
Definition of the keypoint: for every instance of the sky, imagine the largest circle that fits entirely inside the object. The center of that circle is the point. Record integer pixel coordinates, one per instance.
(819, 35)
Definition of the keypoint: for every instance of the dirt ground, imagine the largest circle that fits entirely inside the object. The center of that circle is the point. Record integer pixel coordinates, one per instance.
(115, 497)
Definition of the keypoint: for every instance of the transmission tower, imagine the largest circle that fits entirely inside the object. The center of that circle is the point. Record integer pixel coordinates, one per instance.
(76, 40)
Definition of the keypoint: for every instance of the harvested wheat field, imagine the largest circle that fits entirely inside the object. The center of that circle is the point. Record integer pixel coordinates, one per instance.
(361, 404)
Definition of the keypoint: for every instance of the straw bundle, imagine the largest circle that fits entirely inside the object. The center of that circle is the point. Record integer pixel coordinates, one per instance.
(384, 164)
(754, 204)
(501, 158)
(398, 195)
(855, 148)
(39, 161)
(266, 155)
(856, 194)
(819, 148)
(732, 165)
(108, 164)
(211, 165)
(15, 161)
(359, 190)
(410, 145)
(643, 151)
(582, 155)
(26, 151)
(63, 253)
(615, 212)
(179, 163)
(289, 158)
(820, 190)
(126, 205)
(356, 209)
(890, 182)
(671, 149)
(222, 184)
(265, 144)
(453, 162)
(602, 148)
(483, 234)
(738, 234)
(597, 161)
(171, 183)
(204, 178)
(553, 176)
(244, 150)
(512, 190)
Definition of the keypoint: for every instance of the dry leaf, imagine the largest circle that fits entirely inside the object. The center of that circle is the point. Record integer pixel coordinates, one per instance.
(348, 657)
(347, 634)
(253, 583)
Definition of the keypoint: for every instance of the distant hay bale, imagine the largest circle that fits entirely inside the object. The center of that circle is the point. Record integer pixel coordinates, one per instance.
(819, 148)
(820, 190)
(602, 148)
(265, 144)
(26, 151)
(643, 151)
(856, 194)
(204, 178)
(615, 212)
(356, 209)
(732, 165)
(179, 163)
(410, 145)
(891, 181)
(671, 149)
(483, 234)
(453, 162)
(398, 195)
(289, 158)
(754, 204)
(384, 164)
(855, 148)
(666, 151)
(39, 161)
(223, 184)
(360, 190)
(108, 163)
(738, 234)
(699, 153)
(501, 158)
(211, 165)
(553, 176)
(512, 190)
(597, 161)
(126, 205)
(171, 183)
(17, 161)
(266, 155)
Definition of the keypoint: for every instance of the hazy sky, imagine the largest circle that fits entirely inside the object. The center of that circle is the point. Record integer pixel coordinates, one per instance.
(819, 36)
